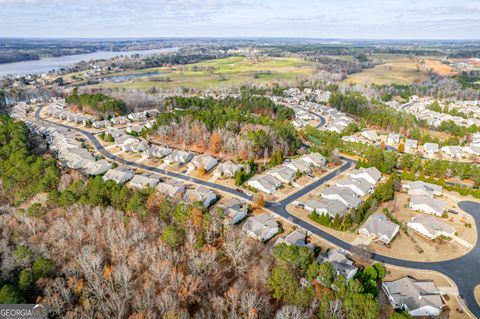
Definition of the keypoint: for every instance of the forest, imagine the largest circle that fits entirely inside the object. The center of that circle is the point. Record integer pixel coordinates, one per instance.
(245, 127)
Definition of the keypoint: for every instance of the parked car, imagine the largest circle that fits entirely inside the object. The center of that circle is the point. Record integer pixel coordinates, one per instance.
(452, 211)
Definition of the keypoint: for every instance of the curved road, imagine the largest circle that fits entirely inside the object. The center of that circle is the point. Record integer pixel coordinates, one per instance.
(464, 271)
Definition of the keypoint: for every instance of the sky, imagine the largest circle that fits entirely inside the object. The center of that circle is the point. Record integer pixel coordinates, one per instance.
(347, 19)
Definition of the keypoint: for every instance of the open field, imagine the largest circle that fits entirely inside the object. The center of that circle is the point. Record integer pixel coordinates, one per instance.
(439, 67)
(231, 71)
(397, 69)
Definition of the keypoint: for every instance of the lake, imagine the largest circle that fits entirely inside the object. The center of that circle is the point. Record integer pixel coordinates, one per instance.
(44, 65)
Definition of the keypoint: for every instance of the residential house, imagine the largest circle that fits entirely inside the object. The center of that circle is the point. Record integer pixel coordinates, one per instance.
(261, 227)
(352, 139)
(453, 151)
(119, 175)
(228, 169)
(172, 188)
(326, 206)
(134, 129)
(430, 149)
(299, 165)
(422, 188)
(431, 227)
(370, 135)
(96, 167)
(235, 210)
(378, 227)
(427, 204)
(204, 161)
(144, 180)
(343, 194)
(266, 183)
(297, 237)
(200, 194)
(410, 145)
(393, 139)
(178, 157)
(115, 132)
(359, 186)
(342, 265)
(472, 149)
(119, 120)
(137, 117)
(159, 151)
(315, 159)
(371, 174)
(284, 174)
(417, 297)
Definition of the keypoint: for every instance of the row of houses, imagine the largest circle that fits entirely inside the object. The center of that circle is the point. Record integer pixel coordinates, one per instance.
(418, 106)
(286, 173)
(69, 150)
(345, 194)
(57, 111)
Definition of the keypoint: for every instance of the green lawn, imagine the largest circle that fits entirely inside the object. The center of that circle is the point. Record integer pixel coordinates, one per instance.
(232, 71)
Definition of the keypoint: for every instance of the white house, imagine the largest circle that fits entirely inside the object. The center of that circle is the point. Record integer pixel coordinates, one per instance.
(393, 139)
(453, 151)
(427, 204)
(119, 175)
(417, 297)
(297, 237)
(235, 210)
(144, 180)
(430, 149)
(228, 169)
(326, 206)
(422, 188)
(266, 183)
(261, 227)
(430, 227)
(342, 265)
(178, 157)
(410, 145)
(370, 135)
(359, 186)
(201, 194)
(206, 162)
(172, 188)
(378, 227)
(285, 174)
(371, 174)
(343, 194)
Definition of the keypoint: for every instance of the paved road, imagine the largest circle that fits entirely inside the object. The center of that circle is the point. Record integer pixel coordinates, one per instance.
(465, 271)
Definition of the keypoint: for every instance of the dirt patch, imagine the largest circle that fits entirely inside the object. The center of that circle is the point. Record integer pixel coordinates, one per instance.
(438, 67)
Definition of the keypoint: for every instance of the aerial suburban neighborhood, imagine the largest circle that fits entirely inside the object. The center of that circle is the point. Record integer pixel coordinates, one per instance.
(239, 160)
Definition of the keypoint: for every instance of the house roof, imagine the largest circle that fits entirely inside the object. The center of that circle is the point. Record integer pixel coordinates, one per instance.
(260, 225)
(379, 225)
(339, 261)
(360, 183)
(411, 143)
(434, 203)
(268, 181)
(171, 187)
(372, 172)
(345, 193)
(334, 207)
(414, 293)
(428, 188)
(285, 173)
(432, 224)
(430, 147)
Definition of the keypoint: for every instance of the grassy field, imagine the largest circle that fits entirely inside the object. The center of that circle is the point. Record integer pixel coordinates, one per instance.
(439, 67)
(397, 69)
(231, 71)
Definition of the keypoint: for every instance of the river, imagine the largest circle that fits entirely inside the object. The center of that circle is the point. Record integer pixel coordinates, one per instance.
(44, 65)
